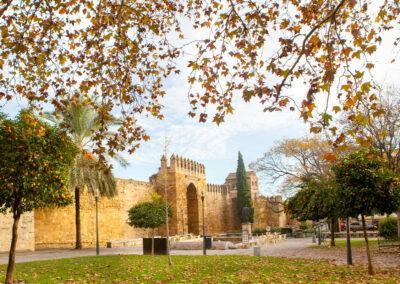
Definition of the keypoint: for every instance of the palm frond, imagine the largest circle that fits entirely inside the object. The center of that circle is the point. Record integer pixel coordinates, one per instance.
(82, 121)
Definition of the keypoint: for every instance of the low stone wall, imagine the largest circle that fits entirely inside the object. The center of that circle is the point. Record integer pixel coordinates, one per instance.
(26, 232)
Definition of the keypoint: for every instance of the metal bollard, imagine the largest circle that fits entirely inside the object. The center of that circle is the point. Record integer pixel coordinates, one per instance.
(257, 251)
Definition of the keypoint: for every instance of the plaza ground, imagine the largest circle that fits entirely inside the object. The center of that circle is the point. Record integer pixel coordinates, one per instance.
(194, 269)
(290, 248)
(289, 261)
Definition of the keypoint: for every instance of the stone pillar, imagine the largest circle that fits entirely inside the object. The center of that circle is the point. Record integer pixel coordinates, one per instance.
(246, 232)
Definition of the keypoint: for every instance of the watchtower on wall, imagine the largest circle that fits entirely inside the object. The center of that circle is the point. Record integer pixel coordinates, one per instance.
(184, 180)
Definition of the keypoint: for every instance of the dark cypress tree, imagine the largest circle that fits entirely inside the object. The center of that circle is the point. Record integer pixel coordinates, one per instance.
(243, 190)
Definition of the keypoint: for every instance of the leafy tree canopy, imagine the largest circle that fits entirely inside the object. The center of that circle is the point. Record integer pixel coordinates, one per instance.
(316, 200)
(35, 164)
(261, 49)
(365, 185)
(150, 214)
(115, 54)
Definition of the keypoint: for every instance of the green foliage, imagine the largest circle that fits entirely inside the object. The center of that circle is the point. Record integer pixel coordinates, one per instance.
(286, 230)
(34, 166)
(259, 231)
(314, 201)
(243, 190)
(275, 230)
(388, 227)
(303, 226)
(365, 185)
(150, 214)
(82, 123)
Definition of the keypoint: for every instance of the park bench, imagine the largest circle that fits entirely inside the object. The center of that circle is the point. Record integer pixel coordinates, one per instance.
(388, 243)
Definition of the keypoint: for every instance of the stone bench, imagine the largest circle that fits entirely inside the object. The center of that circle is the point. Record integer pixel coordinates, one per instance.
(124, 243)
(219, 245)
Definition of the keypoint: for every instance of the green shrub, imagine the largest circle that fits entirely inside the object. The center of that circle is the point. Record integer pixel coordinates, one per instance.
(388, 227)
(259, 231)
(287, 230)
(275, 230)
(303, 226)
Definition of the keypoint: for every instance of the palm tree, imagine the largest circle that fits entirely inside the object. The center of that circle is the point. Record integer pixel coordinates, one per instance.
(81, 121)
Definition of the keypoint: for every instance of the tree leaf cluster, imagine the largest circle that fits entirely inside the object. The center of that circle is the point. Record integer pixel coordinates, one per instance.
(35, 164)
(366, 185)
(149, 214)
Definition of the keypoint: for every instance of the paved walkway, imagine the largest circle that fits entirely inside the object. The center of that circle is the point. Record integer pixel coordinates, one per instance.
(279, 249)
(293, 248)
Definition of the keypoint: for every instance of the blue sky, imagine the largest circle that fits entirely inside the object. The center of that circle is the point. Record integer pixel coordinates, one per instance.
(249, 130)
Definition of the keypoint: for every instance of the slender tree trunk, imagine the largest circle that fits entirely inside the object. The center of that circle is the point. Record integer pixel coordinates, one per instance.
(11, 256)
(398, 224)
(78, 243)
(333, 232)
(348, 243)
(370, 268)
(152, 243)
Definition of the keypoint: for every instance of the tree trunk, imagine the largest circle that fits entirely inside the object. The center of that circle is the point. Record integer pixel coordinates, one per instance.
(333, 232)
(370, 268)
(11, 256)
(348, 243)
(398, 224)
(78, 244)
(152, 243)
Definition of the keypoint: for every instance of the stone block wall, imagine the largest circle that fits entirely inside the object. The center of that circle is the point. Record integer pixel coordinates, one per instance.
(216, 215)
(26, 235)
(179, 175)
(55, 228)
(268, 211)
(185, 181)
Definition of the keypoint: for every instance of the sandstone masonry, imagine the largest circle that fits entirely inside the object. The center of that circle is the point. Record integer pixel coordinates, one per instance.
(183, 179)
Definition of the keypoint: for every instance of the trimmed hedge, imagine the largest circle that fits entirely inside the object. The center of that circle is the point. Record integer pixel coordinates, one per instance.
(259, 231)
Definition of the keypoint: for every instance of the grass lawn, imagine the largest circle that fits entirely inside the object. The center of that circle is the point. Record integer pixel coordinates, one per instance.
(341, 243)
(193, 269)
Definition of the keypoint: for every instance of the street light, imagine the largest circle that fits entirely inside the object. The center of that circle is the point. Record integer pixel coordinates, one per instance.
(96, 198)
(204, 226)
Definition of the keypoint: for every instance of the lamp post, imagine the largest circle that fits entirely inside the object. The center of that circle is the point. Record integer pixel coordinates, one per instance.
(96, 198)
(204, 226)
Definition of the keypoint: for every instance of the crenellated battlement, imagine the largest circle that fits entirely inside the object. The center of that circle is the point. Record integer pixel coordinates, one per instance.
(217, 188)
(178, 163)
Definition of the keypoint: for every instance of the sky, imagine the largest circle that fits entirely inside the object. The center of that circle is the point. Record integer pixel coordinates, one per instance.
(249, 129)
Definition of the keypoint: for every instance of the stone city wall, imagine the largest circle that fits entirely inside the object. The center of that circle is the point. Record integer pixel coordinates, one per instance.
(26, 235)
(216, 215)
(269, 211)
(55, 228)
(184, 180)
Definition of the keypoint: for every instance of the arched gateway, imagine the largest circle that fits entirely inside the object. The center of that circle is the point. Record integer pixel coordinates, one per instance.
(185, 180)
(192, 210)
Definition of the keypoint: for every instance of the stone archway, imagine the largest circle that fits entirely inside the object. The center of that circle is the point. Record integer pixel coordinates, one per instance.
(192, 209)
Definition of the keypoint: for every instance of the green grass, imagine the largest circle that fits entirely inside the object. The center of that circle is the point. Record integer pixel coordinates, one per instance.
(194, 269)
(341, 243)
